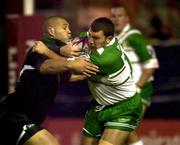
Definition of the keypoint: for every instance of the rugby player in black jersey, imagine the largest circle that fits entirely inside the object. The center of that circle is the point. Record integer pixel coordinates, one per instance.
(23, 111)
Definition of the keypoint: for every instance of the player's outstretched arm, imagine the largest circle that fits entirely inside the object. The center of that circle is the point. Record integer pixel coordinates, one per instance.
(68, 50)
(80, 66)
(59, 64)
(41, 48)
(83, 66)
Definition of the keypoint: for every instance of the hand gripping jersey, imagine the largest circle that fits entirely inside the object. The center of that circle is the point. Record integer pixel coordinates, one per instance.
(140, 53)
(114, 81)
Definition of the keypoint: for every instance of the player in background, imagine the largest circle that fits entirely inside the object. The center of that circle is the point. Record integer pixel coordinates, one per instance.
(141, 55)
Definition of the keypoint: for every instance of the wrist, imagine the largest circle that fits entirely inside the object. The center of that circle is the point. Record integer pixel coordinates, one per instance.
(61, 52)
(70, 64)
(139, 85)
(138, 89)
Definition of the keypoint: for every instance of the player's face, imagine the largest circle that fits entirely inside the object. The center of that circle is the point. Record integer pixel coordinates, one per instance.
(119, 18)
(97, 39)
(62, 31)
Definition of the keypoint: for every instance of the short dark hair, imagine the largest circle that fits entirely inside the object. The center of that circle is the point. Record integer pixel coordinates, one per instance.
(103, 24)
(51, 22)
(119, 5)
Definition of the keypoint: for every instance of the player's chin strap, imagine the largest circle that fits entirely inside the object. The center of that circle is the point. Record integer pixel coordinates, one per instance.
(103, 142)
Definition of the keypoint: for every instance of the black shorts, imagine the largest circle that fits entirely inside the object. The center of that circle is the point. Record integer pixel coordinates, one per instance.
(15, 129)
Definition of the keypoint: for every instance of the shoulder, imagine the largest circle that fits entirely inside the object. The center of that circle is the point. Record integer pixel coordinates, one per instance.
(131, 34)
(136, 36)
(107, 57)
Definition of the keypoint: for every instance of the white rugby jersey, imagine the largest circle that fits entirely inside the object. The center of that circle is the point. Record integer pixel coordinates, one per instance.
(114, 81)
(140, 53)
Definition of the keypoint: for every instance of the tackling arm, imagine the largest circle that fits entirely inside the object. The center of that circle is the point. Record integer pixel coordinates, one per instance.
(58, 63)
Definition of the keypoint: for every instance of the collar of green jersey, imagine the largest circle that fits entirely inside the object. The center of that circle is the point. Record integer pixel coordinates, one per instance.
(101, 49)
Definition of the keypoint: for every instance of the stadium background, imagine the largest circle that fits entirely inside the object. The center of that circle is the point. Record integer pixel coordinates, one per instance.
(20, 27)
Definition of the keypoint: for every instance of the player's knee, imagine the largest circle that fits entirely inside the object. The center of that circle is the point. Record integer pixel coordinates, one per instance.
(103, 142)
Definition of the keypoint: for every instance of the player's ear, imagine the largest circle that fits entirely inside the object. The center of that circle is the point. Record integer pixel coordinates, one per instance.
(127, 19)
(108, 39)
(51, 31)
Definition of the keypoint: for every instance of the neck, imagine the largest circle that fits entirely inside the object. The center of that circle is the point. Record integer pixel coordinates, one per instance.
(118, 32)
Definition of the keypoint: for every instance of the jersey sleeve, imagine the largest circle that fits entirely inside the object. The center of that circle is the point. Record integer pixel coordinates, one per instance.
(83, 34)
(145, 52)
(35, 60)
(55, 49)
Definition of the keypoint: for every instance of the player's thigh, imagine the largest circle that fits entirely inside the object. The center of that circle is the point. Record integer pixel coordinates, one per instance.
(42, 137)
(114, 136)
(87, 140)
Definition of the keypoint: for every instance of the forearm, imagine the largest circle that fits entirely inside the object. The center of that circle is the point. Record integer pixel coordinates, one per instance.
(75, 78)
(147, 73)
(52, 54)
(54, 66)
(58, 63)
(41, 48)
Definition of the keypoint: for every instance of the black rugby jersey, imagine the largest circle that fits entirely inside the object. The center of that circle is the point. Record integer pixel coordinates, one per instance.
(35, 92)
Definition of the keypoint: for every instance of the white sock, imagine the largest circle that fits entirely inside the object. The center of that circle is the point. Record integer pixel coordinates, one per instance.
(140, 142)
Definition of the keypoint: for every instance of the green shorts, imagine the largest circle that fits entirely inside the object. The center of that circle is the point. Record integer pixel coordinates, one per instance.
(124, 115)
(146, 93)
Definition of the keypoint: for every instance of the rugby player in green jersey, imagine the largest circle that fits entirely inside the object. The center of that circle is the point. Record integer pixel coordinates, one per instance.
(116, 107)
(142, 57)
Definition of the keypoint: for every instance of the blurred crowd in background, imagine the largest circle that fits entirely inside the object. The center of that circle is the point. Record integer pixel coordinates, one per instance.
(156, 18)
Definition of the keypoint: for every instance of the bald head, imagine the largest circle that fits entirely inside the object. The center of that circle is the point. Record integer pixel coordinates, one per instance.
(52, 22)
(57, 27)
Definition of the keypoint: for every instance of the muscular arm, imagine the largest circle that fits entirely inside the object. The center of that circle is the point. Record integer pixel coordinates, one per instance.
(41, 48)
(146, 74)
(147, 57)
(54, 66)
(80, 66)
(58, 64)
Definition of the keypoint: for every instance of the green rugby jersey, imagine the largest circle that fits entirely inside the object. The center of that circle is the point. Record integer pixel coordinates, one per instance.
(140, 53)
(114, 81)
